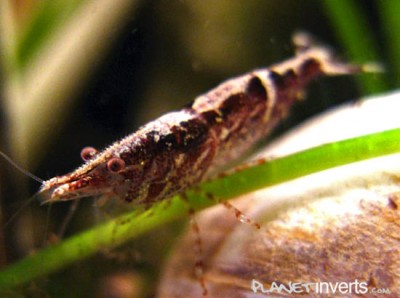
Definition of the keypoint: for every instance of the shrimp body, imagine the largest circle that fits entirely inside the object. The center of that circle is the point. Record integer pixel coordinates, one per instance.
(183, 148)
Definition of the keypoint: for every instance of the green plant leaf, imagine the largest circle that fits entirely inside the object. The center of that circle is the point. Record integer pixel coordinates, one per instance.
(352, 28)
(47, 19)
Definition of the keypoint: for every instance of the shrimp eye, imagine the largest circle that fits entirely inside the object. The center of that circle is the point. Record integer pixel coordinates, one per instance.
(88, 153)
(115, 164)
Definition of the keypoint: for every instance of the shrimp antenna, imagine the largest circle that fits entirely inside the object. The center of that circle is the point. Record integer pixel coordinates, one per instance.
(19, 168)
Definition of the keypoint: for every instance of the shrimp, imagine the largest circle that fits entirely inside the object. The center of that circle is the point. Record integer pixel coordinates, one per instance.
(183, 148)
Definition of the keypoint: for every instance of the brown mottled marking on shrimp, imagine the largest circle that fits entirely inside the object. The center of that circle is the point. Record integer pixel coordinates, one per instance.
(181, 149)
